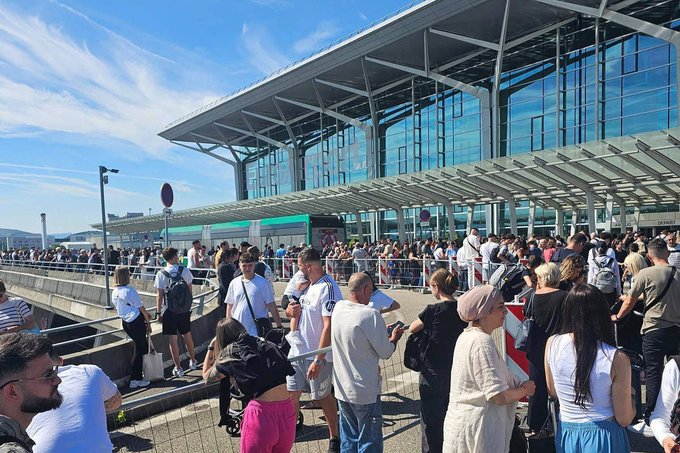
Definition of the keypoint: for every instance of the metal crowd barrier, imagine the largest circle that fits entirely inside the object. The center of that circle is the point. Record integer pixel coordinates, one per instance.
(197, 308)
(193, 426)
(137, 271)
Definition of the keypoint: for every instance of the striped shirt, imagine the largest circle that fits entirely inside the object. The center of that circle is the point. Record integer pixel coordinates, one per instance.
(13, 312)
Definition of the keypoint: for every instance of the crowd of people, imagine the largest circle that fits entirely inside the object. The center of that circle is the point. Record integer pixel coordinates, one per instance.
(587, 297)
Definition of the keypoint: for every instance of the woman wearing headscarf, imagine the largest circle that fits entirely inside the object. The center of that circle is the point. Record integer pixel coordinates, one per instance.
(484, 393)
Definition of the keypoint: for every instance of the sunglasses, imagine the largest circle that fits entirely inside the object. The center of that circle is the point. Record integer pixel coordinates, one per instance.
(51, 376)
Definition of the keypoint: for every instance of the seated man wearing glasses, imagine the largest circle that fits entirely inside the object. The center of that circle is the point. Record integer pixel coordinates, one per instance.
(28, 386)
(79, 424)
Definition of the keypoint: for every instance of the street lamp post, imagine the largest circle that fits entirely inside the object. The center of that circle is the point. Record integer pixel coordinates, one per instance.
(104, 179)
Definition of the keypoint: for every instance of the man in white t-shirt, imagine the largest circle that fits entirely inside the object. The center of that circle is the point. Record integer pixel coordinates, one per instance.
(174, 323)
(486, 250)
(315, 375)
(252, 288)
(469, 251)
(79, 424)
(360, 255)
(360, 341)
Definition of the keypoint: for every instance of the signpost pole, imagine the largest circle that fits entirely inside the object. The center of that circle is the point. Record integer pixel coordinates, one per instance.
(167, 234)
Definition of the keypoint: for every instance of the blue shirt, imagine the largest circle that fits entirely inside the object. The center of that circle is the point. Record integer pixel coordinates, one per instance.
(280, 253)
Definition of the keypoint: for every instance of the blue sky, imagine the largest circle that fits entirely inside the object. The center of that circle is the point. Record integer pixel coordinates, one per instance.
(88, 83)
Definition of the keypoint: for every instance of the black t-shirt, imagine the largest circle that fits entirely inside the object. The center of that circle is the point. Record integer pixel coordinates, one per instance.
(225, 274)
(547, 310)
(256, 365)
(561, 254)
(445, 327)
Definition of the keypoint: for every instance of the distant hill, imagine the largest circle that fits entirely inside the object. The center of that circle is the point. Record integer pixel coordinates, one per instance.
(4, 232)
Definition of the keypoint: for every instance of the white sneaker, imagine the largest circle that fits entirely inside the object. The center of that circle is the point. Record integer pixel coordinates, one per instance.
(641, 428)
(177, 372)
(139, 383)
(193, 365)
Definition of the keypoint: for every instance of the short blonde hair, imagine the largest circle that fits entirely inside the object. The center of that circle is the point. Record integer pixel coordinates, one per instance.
(635, 262)
(549, 273)
(121, 276)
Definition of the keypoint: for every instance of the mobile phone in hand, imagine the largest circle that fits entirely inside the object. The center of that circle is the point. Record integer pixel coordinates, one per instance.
(391, 327)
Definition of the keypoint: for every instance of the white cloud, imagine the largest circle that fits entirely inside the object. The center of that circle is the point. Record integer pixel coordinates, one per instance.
(260, 50)
(54, 184)
(316, 39)
(105, 87)
(362, 16)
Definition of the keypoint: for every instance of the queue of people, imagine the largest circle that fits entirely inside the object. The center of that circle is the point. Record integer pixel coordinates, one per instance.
(468, 394)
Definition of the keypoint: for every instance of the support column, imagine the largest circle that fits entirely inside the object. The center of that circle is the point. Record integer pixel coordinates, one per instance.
(559, 224)
(532, 217)
(636, 219)
(415, 226)
(609, 215)
(574, 220)
(360, 226)
(371, 225)
(239, 180)
(488, 217)
(401, 225)
(590, 206)
(622, 216)
(451, 221)
(513, 216)
(470, 214)
(437, 223)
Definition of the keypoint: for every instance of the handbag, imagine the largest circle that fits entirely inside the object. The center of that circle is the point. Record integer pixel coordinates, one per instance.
(152, 364)
(524, 332)
(262, 325)
(35, 330)
(518, 442)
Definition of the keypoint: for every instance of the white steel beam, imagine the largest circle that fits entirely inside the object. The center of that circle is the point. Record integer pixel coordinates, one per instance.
(467, 39)
(340, 86)
(495, 92)
(207, 152)
(325, 111)
(263, 117)
(259, 136)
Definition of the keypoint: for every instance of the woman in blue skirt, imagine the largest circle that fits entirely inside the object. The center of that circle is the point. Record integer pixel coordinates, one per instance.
(590, 377)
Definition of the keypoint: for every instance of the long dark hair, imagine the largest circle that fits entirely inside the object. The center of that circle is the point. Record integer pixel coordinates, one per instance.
(586, 314)
(227, 332)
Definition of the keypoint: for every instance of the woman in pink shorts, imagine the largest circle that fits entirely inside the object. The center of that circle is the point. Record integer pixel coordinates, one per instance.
(259, 370)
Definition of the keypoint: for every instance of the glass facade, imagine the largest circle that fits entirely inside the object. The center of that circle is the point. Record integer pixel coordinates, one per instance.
(557, 90)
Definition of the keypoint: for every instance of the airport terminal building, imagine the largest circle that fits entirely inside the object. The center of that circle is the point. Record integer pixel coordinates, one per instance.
(509, 115)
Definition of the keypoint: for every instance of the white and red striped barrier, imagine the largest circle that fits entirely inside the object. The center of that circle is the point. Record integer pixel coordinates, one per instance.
(427, 270)
(383, 272)
(516, 360)
(330, 266)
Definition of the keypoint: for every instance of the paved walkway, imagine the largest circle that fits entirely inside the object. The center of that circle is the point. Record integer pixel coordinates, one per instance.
(198, 419)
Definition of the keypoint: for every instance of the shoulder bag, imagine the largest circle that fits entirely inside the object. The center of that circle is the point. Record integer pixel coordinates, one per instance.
(524, 332)
(416, 347)
(152, 363)
(658, 298)
(263, 325)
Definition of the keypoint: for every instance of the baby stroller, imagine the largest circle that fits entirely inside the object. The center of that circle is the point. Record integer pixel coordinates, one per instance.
(231, 418)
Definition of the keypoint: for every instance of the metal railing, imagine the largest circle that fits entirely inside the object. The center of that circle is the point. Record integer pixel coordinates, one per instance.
(196, 308)
(190, 422)
(137, 271)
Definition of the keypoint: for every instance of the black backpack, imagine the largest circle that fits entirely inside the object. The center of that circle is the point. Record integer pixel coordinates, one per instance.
(508, 280)
(178, 298)
(13, 440)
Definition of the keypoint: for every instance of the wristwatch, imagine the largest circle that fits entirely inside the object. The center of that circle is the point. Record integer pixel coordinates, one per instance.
(320, 362)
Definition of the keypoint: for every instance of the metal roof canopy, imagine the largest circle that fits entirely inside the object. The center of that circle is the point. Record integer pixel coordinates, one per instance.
(455, 42)
(636, 170)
